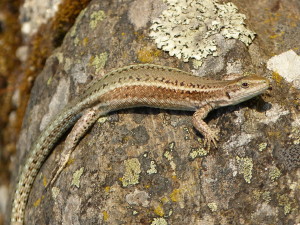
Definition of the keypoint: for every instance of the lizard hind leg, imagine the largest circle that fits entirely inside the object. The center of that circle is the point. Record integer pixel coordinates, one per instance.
(89, 117)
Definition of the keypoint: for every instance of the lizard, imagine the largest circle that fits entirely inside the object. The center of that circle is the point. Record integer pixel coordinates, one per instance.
(141, 85)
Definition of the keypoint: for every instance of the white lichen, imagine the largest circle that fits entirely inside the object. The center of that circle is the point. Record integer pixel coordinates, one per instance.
(188, 29)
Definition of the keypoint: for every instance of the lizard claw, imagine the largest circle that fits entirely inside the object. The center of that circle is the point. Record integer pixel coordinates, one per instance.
(211, 137)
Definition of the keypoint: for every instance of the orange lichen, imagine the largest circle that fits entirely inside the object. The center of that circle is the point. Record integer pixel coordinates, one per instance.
(147, 55)
(45, 181)
(158, 209)
(38, 201)
(175, 195)
(277, 78)
(105, 215)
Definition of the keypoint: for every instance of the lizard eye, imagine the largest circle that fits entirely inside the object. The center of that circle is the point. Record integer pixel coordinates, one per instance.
(245, 84)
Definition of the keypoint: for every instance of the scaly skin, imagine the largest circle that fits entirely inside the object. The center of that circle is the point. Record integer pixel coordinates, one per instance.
(135, 86)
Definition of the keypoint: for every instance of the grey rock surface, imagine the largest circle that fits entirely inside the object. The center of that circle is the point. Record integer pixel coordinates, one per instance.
(148, 166)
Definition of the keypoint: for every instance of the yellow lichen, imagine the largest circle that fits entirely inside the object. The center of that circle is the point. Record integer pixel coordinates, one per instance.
(107, 189)
(105, 215)
(158, 210)
(175, 196)
(70, 161)
(38, 201)
(85, 41)
(148, 55)
(277, 78)
(165, 200)
(45, 182)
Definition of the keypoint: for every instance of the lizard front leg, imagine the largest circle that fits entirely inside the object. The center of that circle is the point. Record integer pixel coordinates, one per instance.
(209, 134)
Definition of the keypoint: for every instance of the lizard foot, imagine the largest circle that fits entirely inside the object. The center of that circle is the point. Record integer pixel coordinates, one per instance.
(211, 137)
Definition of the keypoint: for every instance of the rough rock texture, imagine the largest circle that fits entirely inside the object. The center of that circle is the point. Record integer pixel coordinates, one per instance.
(148, 166)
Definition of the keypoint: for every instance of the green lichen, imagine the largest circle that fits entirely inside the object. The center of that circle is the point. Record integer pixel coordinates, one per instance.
(76, 177)
(159, 221)
(55, 192)
(49, 81)
(172, 146)
(266, 196)
(99, 61)
(274, 173)
(152, 169)
(60, 57)
(168, 155)
(212, 206)
(285, 202)
(256, 194)
(76, 41)
(132, 172)
(262, 146)
(102, 119)
(67, 64)
(295, 134)
(198, 152)
(245, 168)
(260, 195)
(187, 133)
(96, 17)
(197, 63)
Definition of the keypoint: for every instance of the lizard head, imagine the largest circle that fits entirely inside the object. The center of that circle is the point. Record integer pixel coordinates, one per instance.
(244, 88)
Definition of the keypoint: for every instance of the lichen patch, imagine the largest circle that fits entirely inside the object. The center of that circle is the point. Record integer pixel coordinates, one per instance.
(132, 172)
(188, 29)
